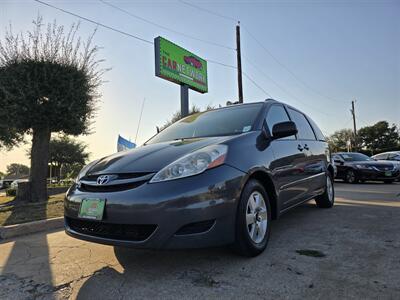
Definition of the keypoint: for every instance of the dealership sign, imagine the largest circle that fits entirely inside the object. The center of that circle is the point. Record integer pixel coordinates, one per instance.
(179, 65)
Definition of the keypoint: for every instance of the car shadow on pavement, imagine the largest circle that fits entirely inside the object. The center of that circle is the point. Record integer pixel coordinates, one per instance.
(159, 271)
(334, 234)
(19, 262)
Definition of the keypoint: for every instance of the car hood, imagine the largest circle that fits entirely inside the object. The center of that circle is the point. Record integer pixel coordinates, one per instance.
(150, 158)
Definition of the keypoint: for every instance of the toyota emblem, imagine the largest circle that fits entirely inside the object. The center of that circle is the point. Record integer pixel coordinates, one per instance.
(103, 179)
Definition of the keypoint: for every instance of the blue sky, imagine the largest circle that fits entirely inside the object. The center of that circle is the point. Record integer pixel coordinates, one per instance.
(338, 51)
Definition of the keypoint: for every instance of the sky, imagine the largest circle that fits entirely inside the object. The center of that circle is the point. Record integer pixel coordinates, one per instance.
(315, 55)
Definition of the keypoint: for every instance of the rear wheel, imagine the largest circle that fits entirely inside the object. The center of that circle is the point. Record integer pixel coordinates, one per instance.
(350, 176)
(253, 220)
(327, 199)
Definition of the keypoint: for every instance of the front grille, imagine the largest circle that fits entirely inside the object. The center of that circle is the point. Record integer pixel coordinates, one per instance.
(110, 188)
(384, 168)
(93, 177)
(125, 232)
(197, 227)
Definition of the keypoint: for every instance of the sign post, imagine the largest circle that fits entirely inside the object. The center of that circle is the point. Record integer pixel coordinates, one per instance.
(180, 66)
(184, 100)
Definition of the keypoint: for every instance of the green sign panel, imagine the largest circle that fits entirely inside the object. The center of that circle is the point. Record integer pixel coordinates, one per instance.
(178, 65)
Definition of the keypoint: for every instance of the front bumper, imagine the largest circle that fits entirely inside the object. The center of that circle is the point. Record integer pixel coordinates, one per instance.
(368, 174)
(161, 210)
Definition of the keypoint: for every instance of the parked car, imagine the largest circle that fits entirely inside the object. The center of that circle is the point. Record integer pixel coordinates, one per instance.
(5, 183)
(14, 184)
(354, 167)
(213, 178)
(391, 156)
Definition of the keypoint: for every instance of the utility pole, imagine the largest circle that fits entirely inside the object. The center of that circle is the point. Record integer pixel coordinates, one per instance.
(353, 113)
(239, 63)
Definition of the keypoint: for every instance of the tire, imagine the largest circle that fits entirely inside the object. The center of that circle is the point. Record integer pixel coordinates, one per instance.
(388, 181)
(350, 176)
(327, 199)
(252, 235)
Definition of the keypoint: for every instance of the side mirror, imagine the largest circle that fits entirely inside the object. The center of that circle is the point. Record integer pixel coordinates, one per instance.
(284, 129)
(338, 161)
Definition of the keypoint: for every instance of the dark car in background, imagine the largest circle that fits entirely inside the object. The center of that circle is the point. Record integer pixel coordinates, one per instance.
(353, 167)
(213, 178)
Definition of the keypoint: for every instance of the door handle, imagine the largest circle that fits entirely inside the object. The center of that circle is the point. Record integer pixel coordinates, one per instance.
(299, 147)
(306, 147)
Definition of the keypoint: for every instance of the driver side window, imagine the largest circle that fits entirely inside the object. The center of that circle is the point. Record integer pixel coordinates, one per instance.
(277, 114)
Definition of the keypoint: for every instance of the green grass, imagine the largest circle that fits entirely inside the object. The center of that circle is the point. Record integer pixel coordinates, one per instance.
(17, 214)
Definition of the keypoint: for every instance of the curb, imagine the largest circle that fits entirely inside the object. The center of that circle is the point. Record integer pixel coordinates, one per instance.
(11, 231)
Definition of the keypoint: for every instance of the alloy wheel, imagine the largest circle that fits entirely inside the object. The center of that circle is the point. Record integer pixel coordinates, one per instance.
(329, 188)
(351, 177)
(256, 217)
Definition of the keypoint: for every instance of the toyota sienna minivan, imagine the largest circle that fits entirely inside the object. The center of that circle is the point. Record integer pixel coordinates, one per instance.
(213, 178)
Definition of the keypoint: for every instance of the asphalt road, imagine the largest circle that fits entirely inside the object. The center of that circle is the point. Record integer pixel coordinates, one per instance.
(351, 251)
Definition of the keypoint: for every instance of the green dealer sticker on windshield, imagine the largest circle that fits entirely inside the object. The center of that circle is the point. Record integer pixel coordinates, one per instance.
(92, 209)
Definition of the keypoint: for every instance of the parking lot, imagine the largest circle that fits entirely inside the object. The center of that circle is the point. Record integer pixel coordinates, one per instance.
(350, 251)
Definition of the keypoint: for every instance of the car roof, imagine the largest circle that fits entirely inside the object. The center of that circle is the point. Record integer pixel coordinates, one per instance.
(389, 152)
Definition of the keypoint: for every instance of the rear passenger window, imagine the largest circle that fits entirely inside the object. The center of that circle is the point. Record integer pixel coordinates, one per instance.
(305, 132)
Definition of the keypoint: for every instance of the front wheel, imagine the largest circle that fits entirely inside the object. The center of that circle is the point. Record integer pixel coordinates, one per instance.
(388, 181)
(253, 220)
(327, 199)
(350, 176)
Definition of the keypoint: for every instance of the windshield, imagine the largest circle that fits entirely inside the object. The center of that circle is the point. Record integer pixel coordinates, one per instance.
(220, 122)
(355, 157)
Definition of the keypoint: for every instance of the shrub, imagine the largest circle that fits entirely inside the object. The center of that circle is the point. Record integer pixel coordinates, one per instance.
(11, 192)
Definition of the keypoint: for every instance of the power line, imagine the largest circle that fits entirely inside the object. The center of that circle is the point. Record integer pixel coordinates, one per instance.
(257, 85)
(164, 27)
(305, 84)
(282, 88)
(288, 70)
(142, 39)
(95, 22)
(209, 11)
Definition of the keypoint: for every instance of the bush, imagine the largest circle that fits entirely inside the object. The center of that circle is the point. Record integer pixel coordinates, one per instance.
(11, 192)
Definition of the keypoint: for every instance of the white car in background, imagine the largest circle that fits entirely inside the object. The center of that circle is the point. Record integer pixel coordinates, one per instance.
(14, 184)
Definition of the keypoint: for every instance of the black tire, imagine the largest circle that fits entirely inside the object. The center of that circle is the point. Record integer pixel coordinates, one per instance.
(350, 176)
(388, 181)
(244, 244)
(326, 200)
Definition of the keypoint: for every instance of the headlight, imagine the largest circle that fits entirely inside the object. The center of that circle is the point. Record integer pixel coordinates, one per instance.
(193, 163)
(85, 169)
(363, 166)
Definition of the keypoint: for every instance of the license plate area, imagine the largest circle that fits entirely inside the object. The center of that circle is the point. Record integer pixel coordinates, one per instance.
(388, 173)
(92, 209)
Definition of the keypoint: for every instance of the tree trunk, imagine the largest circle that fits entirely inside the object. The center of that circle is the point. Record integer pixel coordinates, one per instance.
(39, 163)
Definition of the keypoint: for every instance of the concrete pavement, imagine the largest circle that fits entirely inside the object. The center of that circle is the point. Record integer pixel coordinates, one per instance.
(350, 251)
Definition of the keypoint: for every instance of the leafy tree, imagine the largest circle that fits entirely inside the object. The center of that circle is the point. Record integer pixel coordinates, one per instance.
(67, 154)
(49, 81)
(177, 115)
(338, 140)
(17, 170)
(379, 137)
(2, 174)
